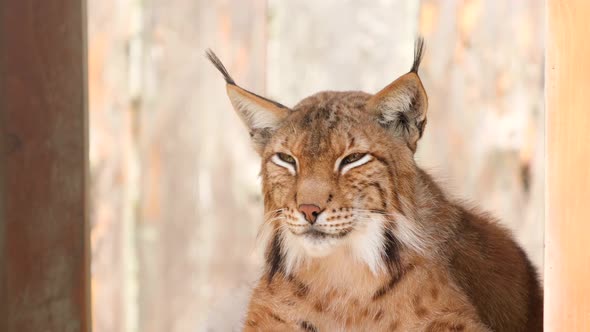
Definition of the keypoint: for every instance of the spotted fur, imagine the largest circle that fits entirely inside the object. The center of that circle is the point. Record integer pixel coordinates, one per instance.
(387, 251)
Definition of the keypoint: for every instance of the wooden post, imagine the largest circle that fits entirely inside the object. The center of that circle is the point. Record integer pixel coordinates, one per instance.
(43, 156)
(567, 230)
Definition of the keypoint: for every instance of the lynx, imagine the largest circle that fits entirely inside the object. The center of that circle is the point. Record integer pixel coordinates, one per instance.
(359, 238)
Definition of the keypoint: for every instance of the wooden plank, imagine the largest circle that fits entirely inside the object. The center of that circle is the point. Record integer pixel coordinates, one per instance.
(200, 205)
(43, 126)
(567, 248)
(114, 274)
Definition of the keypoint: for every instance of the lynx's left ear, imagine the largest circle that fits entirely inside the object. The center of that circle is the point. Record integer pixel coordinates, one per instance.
(401, 106)
(261, 115)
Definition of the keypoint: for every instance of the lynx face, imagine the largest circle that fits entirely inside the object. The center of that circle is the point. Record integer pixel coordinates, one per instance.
(329, 172)
(337, 170)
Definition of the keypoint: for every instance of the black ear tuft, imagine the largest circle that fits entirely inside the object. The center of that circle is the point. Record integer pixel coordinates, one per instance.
(219, 65)
(418, 53)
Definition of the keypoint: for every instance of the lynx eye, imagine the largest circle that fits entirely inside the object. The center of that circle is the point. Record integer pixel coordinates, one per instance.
(353, 160)
(286, 161)
(286, 158)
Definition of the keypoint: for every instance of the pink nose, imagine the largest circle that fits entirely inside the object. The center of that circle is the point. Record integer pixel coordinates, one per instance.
(310, 211)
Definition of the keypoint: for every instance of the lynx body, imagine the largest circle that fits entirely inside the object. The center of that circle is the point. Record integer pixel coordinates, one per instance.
(359, 238)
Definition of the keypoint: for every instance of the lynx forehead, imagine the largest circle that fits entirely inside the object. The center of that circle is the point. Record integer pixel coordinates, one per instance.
(359, 237)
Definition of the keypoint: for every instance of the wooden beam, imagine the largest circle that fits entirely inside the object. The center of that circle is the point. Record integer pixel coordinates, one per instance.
(567, 247)
(43, 153)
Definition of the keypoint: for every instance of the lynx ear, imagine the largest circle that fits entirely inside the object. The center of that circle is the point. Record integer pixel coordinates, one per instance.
(401, 106)
(261, 115)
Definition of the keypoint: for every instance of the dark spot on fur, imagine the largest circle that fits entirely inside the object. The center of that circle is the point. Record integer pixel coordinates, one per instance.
(391, 255)
(318, 306)
(419, 309)
(307, 118)
(392, 283)
(330, 197)
(349, 320)
(434, 293)
(261, 136)
(274, 257)
(437, 326)
(251, 323)
(421, 312)
(378, 316)
(323, 113)
(333, 120)
(307, 326)
(275, 317)
(288, 302)
(331, 294)
(381, 191)
(301, 289)
(365, 313)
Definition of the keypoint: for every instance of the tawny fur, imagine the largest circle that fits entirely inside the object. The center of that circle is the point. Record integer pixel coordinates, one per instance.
(390, 251)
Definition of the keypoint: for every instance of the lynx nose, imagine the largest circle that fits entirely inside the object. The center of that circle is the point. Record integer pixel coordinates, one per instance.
(310, 211)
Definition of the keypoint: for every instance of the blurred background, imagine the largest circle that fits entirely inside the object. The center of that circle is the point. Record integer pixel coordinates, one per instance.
(175, 190)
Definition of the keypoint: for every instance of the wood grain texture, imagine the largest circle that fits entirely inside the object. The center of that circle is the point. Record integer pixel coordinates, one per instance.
(112, 24)
(567, 248)
(200, 206)
(44, 241)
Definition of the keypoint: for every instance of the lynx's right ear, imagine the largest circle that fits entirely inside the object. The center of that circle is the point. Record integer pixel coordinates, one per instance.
(401, 106)
(261, 115)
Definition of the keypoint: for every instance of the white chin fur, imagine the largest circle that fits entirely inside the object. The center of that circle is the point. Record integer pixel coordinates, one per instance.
(318, 247)
(299, 249)
(367, 244)
(364, 244)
